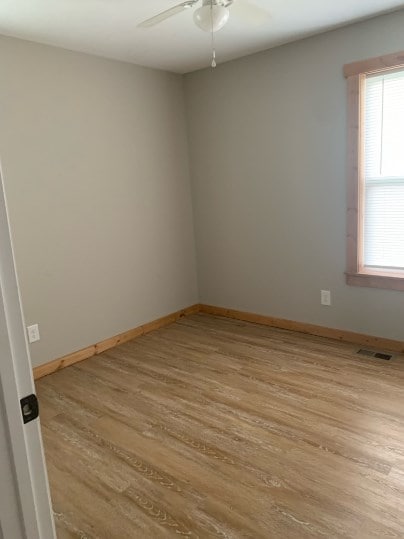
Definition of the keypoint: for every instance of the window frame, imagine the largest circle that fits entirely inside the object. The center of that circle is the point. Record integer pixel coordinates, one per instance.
(356, 73)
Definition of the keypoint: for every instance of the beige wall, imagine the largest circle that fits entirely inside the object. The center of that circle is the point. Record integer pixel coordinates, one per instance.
(95, 164)
(268, 154)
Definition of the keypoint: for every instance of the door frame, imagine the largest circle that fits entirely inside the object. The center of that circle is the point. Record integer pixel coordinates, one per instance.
(16, 378)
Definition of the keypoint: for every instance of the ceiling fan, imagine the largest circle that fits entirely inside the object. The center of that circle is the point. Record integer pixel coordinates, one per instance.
(212, 15)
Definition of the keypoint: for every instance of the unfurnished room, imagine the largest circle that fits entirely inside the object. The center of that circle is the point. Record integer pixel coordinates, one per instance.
(201, 269)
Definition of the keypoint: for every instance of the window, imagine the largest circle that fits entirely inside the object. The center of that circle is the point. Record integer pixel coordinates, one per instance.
(375, 248)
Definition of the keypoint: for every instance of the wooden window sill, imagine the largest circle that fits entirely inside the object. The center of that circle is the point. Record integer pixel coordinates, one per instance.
(373, 280)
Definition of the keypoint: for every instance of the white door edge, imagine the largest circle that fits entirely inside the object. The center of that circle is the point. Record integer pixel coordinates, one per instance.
(17, 382)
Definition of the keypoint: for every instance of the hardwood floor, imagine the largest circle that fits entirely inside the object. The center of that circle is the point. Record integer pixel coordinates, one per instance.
(218, 428)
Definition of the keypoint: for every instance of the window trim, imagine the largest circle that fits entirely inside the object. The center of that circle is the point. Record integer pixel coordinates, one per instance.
(355, 73)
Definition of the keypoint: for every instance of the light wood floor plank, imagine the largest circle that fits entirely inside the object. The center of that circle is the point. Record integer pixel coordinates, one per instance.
(220, 428)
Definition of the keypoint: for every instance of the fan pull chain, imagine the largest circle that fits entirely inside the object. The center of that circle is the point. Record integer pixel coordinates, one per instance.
(213, 64)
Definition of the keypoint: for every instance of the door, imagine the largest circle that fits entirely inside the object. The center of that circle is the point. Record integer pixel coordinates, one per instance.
(10, 518)
(25, 509)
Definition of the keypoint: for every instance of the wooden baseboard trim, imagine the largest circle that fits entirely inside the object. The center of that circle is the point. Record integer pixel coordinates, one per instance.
(311, 329)
(102, 346)
(300, 327)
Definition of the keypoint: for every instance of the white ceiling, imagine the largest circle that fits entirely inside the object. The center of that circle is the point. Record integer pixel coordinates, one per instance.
(109, 28)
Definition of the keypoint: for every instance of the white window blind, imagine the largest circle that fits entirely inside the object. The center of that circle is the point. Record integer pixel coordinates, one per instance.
(384, 172)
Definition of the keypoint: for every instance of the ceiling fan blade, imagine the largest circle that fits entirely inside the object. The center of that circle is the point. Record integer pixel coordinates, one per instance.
(167, 14)
(250, 12)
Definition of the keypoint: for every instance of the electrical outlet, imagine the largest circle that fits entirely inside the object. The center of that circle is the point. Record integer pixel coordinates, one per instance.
(33, 333)
(325, 297)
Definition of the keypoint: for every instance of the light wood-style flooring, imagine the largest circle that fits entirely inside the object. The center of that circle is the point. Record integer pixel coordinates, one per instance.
(218, 428)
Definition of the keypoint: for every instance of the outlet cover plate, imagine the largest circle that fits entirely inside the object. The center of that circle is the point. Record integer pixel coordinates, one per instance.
(33, 333)
(325, 297)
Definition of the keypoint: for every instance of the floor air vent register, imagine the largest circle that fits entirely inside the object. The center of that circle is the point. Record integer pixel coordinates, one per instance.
(376, 355)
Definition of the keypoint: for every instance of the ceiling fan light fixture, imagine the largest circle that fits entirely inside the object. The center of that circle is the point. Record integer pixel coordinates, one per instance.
(211, 17)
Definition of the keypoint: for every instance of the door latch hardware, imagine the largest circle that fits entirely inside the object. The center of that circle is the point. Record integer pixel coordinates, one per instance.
(29, 408)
